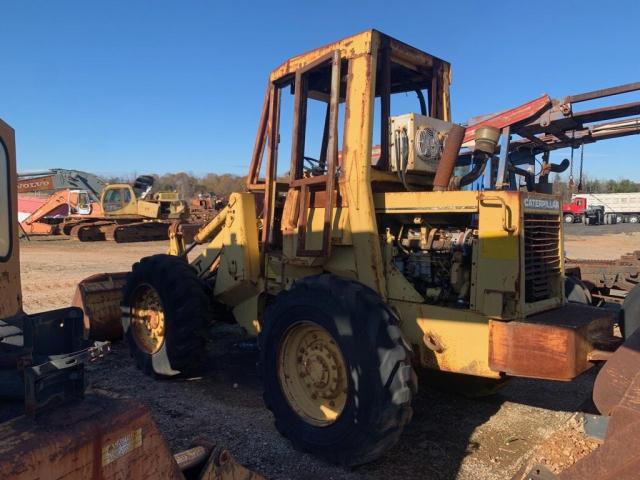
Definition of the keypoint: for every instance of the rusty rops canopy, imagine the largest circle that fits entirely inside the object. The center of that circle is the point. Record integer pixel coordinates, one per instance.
(350, 73)
(359, 44)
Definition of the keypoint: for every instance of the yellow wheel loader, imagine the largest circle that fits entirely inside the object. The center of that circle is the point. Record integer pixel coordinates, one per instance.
(65, 435)
(356, 255)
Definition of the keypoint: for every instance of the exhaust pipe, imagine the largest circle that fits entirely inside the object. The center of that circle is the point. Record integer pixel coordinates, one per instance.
(448, 159)
(486, 142)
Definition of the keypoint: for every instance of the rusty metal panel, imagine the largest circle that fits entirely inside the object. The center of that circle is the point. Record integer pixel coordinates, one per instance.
(99, 296)
(508, 117)
(357, 170)
(253, 179)
(100, 437)
(554, 345)
(617, 375)
(350, 47)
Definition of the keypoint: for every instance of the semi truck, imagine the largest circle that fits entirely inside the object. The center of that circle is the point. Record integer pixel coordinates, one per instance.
(614, 208)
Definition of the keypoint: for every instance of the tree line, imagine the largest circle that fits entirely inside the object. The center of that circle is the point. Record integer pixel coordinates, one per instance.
(592, 185)
(189, 185)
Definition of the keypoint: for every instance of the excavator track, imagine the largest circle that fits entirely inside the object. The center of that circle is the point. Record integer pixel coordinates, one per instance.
(109, 230)
(138, 232)
(90, 231)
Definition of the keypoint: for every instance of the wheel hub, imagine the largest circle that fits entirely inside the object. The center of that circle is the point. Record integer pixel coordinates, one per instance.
(312, 373)
(147, 319)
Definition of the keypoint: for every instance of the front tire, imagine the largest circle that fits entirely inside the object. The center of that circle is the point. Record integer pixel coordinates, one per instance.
(165, 311)
(336, 371)
(568, 218)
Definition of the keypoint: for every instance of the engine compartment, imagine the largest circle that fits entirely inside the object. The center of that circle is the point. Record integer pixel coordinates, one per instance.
(437, 260)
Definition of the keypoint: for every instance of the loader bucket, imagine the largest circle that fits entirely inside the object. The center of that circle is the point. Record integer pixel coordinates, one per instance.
(619, 377)
(99, 297)
(616, 393)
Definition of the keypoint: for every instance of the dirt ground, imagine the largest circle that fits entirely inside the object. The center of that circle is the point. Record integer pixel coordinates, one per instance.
(601, 241)
(450, 436)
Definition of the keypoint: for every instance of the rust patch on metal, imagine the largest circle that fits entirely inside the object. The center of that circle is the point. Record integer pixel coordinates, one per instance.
(554, 345)
(99, 296)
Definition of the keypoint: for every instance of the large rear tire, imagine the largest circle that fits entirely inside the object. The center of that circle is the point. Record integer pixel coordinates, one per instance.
(336, 371)
(165, 312)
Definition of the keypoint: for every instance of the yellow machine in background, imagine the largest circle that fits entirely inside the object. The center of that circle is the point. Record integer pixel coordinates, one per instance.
(366, 259)
(120, 199)
(129, 214)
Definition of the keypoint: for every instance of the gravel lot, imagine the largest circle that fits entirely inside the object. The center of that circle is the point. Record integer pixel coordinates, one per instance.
(601, 241)
(450, 437)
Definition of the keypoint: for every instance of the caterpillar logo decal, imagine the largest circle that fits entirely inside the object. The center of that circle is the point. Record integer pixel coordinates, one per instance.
(542, 203)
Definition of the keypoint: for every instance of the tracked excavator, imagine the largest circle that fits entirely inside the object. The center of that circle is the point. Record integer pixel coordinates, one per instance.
(49, 216)
(65, 433)
(46, 197)
(367, 262)
(130, 213)
(97, 211)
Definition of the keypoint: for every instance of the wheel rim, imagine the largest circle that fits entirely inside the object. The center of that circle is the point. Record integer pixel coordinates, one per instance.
(147, 319)
(312, 374)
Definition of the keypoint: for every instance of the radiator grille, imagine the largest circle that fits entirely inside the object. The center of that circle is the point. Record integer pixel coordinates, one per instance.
(542, 255)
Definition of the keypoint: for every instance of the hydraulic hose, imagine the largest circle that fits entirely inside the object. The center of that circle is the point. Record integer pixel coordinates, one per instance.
(479, 164)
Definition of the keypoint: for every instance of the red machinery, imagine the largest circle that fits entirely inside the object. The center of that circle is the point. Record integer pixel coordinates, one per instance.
(46, 219)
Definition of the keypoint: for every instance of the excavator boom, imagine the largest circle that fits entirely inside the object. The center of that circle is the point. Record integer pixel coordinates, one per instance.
(59, 179)
(47, 218)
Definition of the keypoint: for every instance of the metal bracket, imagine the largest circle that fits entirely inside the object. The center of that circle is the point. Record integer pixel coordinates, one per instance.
(59, 380)
(596, 426)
